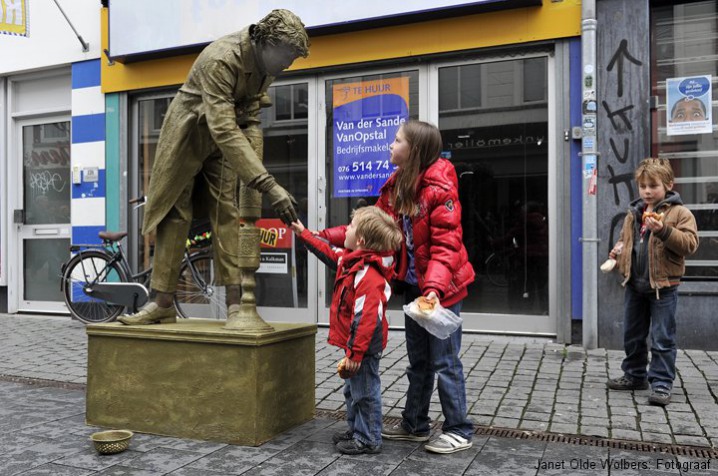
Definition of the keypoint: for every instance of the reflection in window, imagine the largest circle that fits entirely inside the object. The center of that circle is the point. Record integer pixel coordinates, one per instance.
(684, 43)
(492, 85)
(290, 102)
(151, 116)
(286, 156)
(534, 86)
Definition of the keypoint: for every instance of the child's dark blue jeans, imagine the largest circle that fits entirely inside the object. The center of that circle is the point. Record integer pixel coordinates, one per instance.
(643, 312)
(362, 394)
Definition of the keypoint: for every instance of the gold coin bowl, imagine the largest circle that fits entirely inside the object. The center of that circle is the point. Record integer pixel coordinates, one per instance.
(112, 441)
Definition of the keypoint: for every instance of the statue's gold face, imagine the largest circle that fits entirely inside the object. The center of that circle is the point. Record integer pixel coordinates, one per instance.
(276, 58)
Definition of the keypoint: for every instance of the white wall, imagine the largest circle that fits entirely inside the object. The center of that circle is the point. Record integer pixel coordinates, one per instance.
(51, 41)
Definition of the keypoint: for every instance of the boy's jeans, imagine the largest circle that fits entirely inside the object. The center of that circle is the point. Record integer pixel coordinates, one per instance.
(362, 394)
(643, 312)
(427, 356)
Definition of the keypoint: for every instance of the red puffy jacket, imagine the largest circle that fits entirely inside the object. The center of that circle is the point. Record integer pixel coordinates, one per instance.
(357, 317)
(441, 261)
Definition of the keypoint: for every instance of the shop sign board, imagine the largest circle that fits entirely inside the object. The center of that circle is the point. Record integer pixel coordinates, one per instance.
(138, 27)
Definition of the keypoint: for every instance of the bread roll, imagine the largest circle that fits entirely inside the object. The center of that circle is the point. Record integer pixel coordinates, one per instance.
(426, 306)
(655, 216)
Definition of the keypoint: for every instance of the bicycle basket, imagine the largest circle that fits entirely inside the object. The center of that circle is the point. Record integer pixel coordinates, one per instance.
(200, 234)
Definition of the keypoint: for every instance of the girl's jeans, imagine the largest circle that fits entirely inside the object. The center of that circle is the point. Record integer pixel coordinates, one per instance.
(428, 356)
(362, 394)
(643, 312)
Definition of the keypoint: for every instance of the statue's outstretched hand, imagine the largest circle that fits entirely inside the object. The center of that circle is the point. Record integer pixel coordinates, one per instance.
(283, 203)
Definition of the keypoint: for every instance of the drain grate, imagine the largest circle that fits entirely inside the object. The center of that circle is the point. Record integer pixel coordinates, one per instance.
(581, 440)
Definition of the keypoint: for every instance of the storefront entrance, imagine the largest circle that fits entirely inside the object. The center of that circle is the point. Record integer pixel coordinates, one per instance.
(326, 140)
(494, 118)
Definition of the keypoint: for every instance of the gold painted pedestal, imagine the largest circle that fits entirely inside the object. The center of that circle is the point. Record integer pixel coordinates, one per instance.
(194, 379)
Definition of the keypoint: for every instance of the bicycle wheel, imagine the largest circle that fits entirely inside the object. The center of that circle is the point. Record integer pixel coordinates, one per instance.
(497, 268)
(197, 295)
(81, 272)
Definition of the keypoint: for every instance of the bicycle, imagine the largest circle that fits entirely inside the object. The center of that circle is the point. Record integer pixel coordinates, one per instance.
(98, 283)
(497, 265)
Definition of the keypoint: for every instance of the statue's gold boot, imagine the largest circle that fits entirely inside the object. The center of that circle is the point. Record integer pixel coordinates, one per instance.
(150, 314)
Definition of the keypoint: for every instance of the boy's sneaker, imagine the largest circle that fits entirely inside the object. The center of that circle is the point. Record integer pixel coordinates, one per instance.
(355, 447)
(397, 432)
(660, 397)
(626, 383)
(448, 443)
(342, 436)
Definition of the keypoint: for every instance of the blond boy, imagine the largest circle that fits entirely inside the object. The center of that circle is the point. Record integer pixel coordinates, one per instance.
(658, 233)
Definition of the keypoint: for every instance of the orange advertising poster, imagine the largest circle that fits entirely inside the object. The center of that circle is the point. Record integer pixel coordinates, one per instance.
(274, 233)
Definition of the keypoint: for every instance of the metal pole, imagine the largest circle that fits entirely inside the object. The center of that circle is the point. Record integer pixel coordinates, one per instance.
(589, 158)
(85, 45)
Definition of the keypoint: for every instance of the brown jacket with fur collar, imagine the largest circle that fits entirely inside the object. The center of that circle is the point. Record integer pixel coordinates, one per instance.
(668, 248)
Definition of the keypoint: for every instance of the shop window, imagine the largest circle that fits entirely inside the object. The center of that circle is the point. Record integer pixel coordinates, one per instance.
(500, 152)
(684, 67)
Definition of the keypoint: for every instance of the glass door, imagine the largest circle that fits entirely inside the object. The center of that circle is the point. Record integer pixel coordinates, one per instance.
(362, 113)
(43, 221)
(494, 119)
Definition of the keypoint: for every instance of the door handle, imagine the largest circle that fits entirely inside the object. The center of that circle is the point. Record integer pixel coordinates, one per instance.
(18, 216)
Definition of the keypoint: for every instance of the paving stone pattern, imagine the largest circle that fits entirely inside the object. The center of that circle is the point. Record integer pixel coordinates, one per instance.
(523, 383)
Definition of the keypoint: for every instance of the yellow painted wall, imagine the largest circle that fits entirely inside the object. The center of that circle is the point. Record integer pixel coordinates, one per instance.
(552, 20)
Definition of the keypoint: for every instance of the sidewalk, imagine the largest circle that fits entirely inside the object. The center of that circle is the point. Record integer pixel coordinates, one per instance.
(528, 397)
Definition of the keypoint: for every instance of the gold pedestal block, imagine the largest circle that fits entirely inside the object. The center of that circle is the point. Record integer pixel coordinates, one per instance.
(194, 379)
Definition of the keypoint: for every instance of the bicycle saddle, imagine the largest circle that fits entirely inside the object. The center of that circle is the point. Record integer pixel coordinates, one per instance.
(112, 235)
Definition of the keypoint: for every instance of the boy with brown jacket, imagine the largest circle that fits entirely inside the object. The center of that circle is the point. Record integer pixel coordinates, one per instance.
(658, 233)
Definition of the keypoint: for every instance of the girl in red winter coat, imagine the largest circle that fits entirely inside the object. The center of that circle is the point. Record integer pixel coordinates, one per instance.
(422, 196)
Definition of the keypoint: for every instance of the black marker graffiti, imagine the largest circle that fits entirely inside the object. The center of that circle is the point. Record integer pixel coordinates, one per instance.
(624, 126)
(621, 112)
(621, 52)
(621, 158)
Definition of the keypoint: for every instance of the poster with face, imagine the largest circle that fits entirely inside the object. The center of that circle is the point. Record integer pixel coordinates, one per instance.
(688, 105)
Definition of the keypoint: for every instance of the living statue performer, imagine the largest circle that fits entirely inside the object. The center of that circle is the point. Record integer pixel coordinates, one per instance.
(211, 137)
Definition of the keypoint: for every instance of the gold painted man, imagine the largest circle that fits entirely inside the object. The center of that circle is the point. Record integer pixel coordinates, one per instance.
(210, 138)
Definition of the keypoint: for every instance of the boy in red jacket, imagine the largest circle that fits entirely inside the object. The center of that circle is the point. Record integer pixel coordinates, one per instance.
(357, 320)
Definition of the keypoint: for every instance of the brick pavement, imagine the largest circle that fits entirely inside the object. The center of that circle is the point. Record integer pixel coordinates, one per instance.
(521, 383)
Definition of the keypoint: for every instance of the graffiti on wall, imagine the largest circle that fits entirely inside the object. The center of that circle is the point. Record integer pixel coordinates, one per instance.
(621, 140)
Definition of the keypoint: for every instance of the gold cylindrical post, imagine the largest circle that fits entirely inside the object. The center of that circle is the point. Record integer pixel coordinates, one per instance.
(246, 318)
